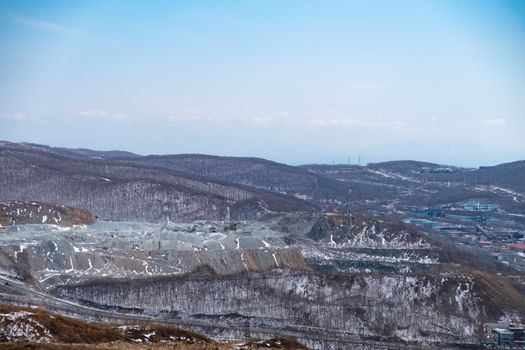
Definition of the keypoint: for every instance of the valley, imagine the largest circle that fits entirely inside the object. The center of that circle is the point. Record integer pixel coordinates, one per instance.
(390, 255)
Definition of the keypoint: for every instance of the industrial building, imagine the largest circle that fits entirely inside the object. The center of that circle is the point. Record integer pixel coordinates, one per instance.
(507, 335)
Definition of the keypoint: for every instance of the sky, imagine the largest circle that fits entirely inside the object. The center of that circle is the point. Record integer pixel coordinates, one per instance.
(295, 81)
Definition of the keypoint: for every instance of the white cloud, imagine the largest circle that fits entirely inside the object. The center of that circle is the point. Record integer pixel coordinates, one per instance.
(17, 116)
(252, 120)
(50, 26)
(494, 121)
(257, 120)
(103, 115)
(357, 122)
(46, 25)
(188, 119)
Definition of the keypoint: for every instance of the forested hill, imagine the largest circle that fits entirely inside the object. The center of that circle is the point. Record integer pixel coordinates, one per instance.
(121, 185)
(122, 190)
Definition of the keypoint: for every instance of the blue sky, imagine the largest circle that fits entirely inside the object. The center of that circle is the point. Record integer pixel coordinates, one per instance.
(293, 81)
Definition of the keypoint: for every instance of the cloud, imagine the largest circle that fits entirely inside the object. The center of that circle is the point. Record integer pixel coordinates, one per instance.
(188, 119)
(103, 115)
(46, 25)
(356, 122)
(258, 120)
(50, 26)
(494, 121)
(17, 116)
(252, 120)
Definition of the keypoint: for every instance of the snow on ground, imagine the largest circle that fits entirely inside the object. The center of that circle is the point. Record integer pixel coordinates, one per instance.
(390, 175)
(21, 327)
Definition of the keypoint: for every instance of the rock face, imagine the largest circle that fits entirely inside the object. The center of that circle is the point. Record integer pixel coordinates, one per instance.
(359, 243)
(443, 307)
(19, 213)
(52, 255)
(362, 232)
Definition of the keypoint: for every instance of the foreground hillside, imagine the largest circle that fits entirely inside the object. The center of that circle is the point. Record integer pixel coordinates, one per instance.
(328, 280)
(36, 328)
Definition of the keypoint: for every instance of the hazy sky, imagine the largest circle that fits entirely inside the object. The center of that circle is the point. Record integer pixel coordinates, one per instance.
(294, 81)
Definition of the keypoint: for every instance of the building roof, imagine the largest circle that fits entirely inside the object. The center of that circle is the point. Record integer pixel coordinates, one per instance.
(517, 246)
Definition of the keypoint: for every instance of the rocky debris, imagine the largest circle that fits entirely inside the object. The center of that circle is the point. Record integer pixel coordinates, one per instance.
(352, 243)
(358, 231)
(53, 255)
(21, 213)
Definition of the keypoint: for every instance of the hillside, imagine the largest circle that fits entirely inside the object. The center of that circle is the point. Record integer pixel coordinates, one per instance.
(405, 167)
(36, 328)
(447, 307)
(413, 183)
(329, 280)
(74, 152)
(128, 191)
(120, 185)
(254, 172)
(507, 175)
(21, 213)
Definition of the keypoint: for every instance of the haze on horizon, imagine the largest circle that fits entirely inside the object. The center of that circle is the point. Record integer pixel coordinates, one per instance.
(292, 81)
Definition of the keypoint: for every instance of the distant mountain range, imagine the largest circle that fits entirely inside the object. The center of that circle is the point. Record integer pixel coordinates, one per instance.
(121, 185)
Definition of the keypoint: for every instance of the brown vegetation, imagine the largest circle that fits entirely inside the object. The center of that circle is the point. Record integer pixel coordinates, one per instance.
(498, 293)
(22, 212)
(71, 334)
(68, 330)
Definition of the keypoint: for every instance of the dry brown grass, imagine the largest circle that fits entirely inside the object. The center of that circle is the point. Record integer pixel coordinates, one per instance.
(114, 346)
(275, 343)
(499, 294)
(69, 330)
(72, 334)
